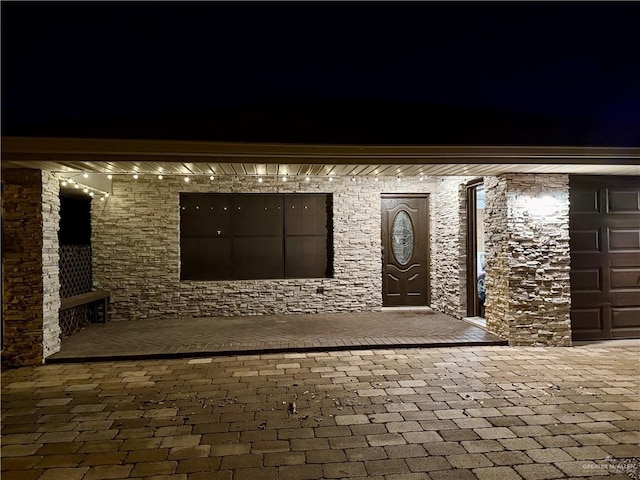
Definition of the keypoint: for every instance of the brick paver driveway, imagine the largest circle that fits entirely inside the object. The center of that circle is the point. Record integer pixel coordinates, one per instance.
(465, 412)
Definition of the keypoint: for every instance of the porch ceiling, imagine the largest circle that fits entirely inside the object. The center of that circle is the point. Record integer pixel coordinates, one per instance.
(74, 155)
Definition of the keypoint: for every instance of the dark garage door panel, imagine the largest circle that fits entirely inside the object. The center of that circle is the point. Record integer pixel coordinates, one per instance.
(605, 257)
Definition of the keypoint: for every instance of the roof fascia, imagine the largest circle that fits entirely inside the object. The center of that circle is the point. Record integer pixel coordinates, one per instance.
(113, 150)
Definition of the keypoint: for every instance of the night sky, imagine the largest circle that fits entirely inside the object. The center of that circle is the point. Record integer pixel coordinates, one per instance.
(573, 67)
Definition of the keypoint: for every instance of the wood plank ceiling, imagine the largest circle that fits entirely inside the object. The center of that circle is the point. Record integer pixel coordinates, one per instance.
(117, 157)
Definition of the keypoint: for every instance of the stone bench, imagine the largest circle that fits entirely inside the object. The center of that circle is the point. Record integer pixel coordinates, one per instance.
(99, 297)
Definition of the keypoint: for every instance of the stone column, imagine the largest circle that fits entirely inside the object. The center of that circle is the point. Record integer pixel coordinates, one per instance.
(448, 246)
(31, 293)
(528, 259)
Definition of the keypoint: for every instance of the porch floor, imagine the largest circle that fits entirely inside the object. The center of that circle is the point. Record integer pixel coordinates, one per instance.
(170, 338)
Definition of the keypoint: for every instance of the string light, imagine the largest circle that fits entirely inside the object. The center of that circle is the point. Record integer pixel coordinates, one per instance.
(91, 191)
(110, 177)
(135, 176)
(259, 179)
(307, 178)
(85, 175)
(160, 177)
(375, 179)
(212, 177)
(186, 179)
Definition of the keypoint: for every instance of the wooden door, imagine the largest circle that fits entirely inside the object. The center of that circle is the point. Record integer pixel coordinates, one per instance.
(604, 225)
(405, 257)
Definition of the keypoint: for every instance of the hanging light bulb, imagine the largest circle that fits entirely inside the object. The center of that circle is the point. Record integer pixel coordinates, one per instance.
(110, 177)
(160, 177)
(135, 176)
(106, 195)
(85, 175)
(64, 183)
(91, 194)
(307, 178)
(186, 179)
(102, 199)
(85, 190)
(76, 186)
(212, 177)
(375, 179)
(259, 179)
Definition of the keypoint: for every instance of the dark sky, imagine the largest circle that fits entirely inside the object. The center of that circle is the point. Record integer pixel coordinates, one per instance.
(82, 61)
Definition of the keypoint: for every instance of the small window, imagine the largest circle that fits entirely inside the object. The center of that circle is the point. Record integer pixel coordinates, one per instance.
(255, 236)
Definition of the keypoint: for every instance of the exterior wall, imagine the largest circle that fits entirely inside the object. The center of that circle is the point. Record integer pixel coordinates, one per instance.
(528, 259)
(448, 246)
(496, 258)
(136, 249)
(50, 264)
(30, 209)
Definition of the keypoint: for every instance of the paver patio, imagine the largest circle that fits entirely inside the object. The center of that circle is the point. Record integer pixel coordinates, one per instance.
(169, 337)
(489, 412)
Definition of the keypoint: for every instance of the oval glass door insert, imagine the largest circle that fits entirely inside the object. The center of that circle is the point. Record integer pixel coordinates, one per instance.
(402, 237)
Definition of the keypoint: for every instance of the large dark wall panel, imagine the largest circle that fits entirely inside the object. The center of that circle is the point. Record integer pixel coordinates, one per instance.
(605, 257)
(255, 236)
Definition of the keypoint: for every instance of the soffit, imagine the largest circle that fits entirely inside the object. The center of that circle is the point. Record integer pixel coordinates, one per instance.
(66, 155)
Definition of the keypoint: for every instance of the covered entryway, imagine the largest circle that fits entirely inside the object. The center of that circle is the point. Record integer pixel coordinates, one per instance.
(605, 257)
(405, 253)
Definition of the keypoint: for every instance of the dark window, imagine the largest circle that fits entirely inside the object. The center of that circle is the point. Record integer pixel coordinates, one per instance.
(255, 236)
(75, 221)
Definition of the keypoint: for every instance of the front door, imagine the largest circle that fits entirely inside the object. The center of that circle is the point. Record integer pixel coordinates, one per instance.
(405, 257)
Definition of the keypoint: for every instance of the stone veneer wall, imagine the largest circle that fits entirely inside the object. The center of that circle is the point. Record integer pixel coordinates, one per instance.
(136, 249)
(497, 257)
(448, 246)
(30, 209)
(528, 259)
(50, 264)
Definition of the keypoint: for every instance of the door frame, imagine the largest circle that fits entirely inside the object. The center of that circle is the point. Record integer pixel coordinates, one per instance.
(472, 246)
(427, 247)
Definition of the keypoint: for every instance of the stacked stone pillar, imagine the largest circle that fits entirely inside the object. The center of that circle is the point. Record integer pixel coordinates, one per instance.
(528, 259)
(31, 289)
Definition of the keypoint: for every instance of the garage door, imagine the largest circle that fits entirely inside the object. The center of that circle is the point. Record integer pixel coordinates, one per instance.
(605, 257)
